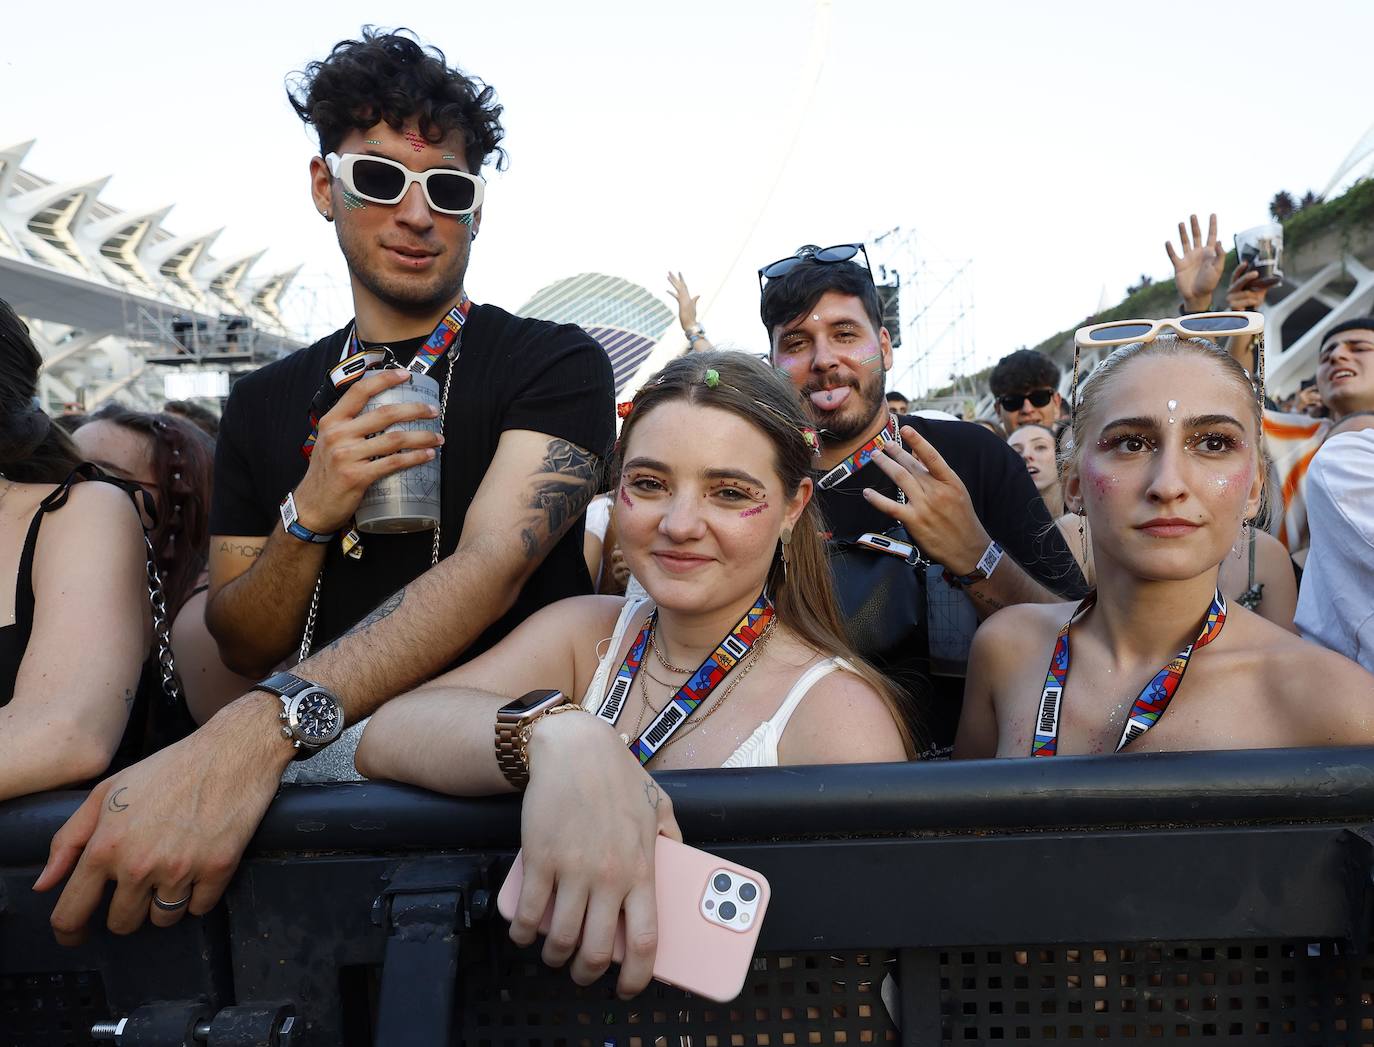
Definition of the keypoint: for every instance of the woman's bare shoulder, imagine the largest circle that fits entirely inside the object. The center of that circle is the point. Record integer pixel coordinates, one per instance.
(1023, 625)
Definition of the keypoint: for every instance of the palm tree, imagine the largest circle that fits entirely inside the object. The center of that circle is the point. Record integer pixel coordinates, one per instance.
(1283, 206)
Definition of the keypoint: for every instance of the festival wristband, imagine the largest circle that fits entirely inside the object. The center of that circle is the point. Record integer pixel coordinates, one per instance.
(987, 563)
(290, 521)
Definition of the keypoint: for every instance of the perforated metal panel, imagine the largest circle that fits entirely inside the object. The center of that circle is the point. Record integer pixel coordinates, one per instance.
(1280, 993)
(50, 1010)
(798, 999)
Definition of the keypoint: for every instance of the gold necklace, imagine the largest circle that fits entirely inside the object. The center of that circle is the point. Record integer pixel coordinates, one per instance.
(747, 664)
(659, 654)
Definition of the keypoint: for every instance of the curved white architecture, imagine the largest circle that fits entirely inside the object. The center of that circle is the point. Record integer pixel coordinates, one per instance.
(113, 299)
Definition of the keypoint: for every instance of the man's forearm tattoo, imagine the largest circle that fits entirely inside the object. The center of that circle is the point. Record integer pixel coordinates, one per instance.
(385, 610)
(114, 803)
(241, 548)
(563, 487)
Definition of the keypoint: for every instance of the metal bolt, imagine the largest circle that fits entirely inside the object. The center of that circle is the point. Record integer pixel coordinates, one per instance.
(112, 1030)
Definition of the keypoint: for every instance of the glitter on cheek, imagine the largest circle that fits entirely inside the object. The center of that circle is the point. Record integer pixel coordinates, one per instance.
(874, 358)
(353, 203)
(754, 511)
(624, 497)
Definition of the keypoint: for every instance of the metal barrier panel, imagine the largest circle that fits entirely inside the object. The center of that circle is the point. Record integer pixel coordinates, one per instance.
(1163, 897)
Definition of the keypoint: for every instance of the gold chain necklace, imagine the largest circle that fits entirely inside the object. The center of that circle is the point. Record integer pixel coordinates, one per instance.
(748, 664)
(659, 654)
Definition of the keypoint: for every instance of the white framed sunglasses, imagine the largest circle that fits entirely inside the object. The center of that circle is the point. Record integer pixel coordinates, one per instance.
(381, 181)
(1194, 325)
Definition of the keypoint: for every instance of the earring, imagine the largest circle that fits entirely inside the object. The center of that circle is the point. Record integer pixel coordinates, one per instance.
(1083, 537)
(784, 540)
(328, 215)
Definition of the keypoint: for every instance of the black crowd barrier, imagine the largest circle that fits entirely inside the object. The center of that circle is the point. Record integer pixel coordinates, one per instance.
(1221, 896)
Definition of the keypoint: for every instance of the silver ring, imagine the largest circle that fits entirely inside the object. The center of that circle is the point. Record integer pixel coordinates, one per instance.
(170, 906)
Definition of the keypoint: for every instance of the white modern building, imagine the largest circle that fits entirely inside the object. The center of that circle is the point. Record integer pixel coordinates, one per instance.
(626, 319)
(115, 302)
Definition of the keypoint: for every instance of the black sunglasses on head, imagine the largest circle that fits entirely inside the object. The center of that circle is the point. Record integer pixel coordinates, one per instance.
(1037, 397)
(818, 255)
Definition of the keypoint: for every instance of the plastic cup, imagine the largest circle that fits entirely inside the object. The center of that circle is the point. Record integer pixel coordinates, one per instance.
(1262, 248)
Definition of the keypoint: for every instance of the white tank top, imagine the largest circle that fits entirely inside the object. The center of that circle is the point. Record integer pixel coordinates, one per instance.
(760, 749)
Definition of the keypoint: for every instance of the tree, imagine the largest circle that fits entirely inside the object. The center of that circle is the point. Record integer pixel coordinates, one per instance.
(1282, 207)
(1139, 285)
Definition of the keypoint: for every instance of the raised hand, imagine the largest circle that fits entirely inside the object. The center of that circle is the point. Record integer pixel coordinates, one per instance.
(938, 513)
(1197, 271)
(686, 301)
(349, 455)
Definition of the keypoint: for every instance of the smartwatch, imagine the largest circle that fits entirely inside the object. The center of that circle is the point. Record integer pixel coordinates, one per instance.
(513, 723)
(991, 557)
(311, 716)
(291, 521)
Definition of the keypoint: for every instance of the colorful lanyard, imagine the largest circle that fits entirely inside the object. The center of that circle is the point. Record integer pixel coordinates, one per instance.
(1149, 705)
(698, 687)
(861, 457)
(360, 360)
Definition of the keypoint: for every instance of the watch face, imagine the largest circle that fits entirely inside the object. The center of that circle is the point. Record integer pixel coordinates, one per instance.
(317, 716)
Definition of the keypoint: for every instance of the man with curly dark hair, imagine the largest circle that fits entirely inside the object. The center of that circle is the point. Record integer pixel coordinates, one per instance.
(1025, 385)
(403, 137)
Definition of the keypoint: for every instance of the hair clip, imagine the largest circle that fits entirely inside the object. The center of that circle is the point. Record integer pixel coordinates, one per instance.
(712, 378)
(624, 408)
(812, 439)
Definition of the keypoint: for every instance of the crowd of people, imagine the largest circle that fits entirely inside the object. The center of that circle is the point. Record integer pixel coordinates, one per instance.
(772, 561)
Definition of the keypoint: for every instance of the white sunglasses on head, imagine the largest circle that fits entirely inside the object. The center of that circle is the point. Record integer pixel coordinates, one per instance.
(381, 181)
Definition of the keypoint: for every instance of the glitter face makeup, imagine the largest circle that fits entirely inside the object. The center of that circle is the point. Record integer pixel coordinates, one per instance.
(753, 511)
(353, 203)
(625, 498)
(1173, 406)
(874, 358)
(372, 141)
(449, 156)
(416, 140)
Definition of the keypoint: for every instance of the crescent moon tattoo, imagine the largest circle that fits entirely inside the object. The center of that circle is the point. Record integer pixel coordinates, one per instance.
(114, 803)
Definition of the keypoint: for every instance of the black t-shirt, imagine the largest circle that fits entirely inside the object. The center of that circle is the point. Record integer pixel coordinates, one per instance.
(1011, 511)
(512, 373)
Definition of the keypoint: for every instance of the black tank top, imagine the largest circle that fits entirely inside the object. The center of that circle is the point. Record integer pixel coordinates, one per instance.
(14, 640)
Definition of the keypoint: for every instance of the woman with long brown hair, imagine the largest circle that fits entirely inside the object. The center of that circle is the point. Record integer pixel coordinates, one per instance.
(71, 578)
(714, 516)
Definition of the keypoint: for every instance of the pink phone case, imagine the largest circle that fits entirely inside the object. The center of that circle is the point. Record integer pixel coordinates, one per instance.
(695, 952)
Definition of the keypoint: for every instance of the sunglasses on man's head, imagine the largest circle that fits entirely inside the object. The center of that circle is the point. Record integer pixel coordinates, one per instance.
(810, 253)
(1037, 397)
(381, 181)
(1195, 325)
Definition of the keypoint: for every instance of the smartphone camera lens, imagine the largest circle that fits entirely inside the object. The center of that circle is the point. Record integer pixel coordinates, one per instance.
(726, 910)
(721, 883)
(748, 892)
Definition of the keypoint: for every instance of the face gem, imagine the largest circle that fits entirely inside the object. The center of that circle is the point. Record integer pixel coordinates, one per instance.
(465, 219)
(449, 156)
(416, 140)
(816, 317)
(754, 511)
(373, 141)
(353, 203)
(624, 497)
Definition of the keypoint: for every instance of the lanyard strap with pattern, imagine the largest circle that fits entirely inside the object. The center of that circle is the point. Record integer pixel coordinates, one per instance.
(1148, 706)
(861, 457)
(690, 696)
(360, 360)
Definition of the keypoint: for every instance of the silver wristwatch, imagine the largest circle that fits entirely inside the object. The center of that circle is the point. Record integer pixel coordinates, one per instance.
(311, 716)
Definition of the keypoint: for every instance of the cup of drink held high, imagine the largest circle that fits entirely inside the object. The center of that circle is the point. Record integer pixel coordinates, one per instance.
(1262, 249)
(407, 500)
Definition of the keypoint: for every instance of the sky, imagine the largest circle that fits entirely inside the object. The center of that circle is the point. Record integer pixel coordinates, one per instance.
(1034, 157)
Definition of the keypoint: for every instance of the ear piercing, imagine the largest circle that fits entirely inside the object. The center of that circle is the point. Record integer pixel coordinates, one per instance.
(328, 215)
